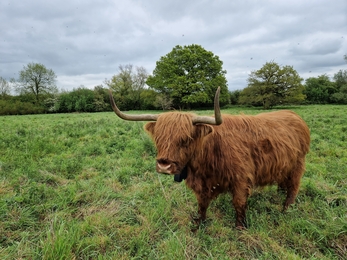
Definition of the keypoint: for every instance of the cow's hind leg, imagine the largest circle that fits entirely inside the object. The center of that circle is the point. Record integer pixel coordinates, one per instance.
(293, 184)
(282, 188)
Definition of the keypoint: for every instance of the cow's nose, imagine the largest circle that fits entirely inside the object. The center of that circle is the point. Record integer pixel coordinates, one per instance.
(163, 162)
(165, 166)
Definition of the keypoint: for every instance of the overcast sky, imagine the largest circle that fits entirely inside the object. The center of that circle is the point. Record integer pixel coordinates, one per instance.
(84, 42)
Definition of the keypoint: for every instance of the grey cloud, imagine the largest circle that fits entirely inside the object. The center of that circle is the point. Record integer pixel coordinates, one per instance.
(321, 45)
(84, 42)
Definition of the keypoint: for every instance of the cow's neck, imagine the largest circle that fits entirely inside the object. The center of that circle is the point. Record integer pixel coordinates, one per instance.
(182, 175)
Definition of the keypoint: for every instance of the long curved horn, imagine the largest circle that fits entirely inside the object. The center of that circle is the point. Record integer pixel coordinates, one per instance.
(217, 119)
(144, 117)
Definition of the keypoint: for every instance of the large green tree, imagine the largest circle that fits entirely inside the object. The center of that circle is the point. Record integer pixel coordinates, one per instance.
(128, 85)
(35, 79)
(272, 85)
(319, 90)
(189, 76)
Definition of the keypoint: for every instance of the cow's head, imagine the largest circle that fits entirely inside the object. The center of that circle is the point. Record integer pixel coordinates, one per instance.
(176, 135)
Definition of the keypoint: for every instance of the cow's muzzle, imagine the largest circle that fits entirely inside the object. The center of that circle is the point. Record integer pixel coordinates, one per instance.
(167, 166)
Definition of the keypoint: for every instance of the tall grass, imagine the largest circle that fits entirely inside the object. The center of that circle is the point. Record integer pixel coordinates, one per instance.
(84, 186)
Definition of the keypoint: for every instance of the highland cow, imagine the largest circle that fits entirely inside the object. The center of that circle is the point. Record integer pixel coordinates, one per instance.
(229, 153)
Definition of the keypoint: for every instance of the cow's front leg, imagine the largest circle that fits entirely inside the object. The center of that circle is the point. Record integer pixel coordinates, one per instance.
(203, 203)
(240, 196)
(240, 208)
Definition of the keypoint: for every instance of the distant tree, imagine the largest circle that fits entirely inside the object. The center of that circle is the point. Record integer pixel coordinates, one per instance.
(84, 100)
(50, 104)
(148, 97)
(163, 102)
(319, 90)
(234, 96)
(4, 88)
(78, 100)
(189, 75)
(35, 79)
(101, 99)
(127, 86)
(273, 85)
(340, 96)
(65, 103)
(340, 78)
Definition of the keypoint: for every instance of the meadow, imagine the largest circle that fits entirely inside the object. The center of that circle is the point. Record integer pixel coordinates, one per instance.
(84, 186)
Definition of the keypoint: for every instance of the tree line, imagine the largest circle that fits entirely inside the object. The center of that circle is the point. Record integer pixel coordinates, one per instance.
(274, 85)
(185, 78)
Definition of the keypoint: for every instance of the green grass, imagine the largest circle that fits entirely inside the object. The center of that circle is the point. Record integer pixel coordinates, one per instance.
(84, 186)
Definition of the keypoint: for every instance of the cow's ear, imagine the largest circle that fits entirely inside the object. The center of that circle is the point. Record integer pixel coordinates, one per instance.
(203, 130)
(149, 127)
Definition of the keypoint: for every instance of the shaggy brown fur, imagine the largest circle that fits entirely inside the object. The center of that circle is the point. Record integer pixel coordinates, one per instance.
(241, 153)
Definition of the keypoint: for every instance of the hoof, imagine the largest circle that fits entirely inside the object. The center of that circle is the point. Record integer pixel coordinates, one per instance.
(240, 228)
(194, 228)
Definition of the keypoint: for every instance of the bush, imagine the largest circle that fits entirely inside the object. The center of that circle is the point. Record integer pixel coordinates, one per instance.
(81, 100)
(10, 107)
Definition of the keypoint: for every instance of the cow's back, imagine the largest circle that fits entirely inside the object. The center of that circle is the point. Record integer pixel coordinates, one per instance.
(261, 149)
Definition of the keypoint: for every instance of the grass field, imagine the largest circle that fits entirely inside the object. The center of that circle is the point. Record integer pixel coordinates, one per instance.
(84, 186)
